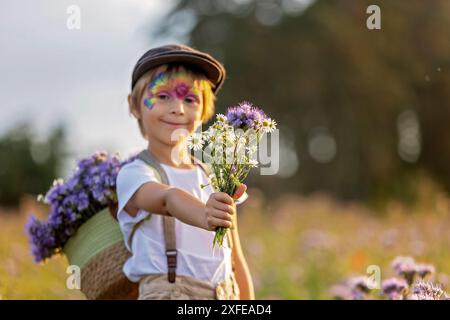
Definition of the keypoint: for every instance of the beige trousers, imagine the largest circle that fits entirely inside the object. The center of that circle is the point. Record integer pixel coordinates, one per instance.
(157, 287)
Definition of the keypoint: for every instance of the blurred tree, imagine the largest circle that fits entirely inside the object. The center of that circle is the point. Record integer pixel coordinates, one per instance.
(27, 165)
(363, 110)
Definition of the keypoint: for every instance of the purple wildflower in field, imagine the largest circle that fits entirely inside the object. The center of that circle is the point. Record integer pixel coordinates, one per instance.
(424, 270)
(245, 116)
(351, 289)
(394, 288)
(91, 188)
(408, 268)
(341, 292)
(405, 267)
(354, 288)
(427, 291)
(362, 283)
(401, 263)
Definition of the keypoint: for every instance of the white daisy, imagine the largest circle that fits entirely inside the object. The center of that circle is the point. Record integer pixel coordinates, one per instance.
(195, 141)
(218, 126)
(221, 118)
(58, 181)
(268, 125)
(211, 134)
(253, 163)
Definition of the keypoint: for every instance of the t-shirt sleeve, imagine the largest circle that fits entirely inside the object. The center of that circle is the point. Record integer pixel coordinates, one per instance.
(129, 179)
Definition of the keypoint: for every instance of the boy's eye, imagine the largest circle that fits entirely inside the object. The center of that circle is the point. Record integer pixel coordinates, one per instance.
(162, 96)
(191, 99)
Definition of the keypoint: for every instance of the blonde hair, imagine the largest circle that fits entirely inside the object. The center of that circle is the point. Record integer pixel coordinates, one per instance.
(204, 85)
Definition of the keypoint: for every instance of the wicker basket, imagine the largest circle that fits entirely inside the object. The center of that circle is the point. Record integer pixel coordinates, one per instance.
(98, 249)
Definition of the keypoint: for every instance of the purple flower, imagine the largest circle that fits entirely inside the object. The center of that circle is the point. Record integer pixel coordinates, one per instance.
(427, 291)
(91, 188)
(354, 288)
(408, 268)
(394, 288)
(245, 116)
(424, 270)
(401, 263)
(362, 284)
(82, 201)
(41, 239)
(405, 267)
(341, 292)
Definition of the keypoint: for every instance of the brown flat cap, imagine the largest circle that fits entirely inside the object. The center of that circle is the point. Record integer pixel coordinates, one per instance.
(155, 57)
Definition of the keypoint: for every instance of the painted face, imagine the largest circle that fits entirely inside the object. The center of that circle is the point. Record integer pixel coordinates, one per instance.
(164, 88)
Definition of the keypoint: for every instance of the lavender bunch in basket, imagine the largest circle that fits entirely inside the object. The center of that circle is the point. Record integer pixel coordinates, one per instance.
(229, 146)
(90, 189)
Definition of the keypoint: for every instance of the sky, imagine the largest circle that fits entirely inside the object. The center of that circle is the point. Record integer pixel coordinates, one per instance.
(81, 77)
(51, 74)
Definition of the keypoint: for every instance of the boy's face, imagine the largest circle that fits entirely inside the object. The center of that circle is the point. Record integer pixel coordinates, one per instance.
(171, 103)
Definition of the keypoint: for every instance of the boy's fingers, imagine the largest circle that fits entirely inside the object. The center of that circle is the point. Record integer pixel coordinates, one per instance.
(224, 207)
(240, 191)
(222, 215)
(219, 223)
(223, 197)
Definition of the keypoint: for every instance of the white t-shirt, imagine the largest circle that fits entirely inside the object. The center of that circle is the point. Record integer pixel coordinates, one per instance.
(194, 245)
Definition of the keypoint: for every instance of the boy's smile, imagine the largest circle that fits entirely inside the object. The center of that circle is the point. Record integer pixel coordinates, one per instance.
(175, 124)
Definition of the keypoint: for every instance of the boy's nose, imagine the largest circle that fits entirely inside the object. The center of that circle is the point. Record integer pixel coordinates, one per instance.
(177, 106)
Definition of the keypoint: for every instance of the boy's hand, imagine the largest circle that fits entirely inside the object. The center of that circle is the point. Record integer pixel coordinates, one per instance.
(219, 210)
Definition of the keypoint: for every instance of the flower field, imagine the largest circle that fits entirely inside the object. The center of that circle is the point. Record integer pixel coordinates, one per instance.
(297, 247)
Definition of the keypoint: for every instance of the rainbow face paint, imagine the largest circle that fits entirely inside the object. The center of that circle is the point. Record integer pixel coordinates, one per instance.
(152, 88)
(177, 86)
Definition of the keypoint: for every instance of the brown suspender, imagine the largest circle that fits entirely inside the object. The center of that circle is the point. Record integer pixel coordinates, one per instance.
(169, 221)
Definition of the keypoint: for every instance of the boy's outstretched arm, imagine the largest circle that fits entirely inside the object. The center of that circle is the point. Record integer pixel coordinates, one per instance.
(171, 201)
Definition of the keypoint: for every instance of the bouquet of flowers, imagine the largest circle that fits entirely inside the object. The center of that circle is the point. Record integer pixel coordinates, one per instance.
(229, 146)
(90, 189)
